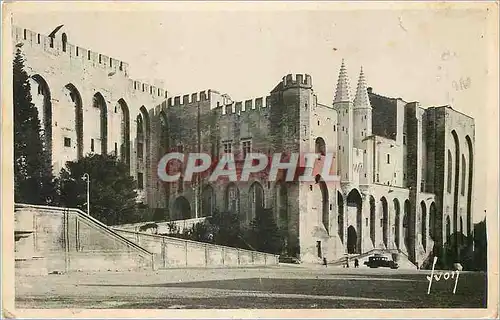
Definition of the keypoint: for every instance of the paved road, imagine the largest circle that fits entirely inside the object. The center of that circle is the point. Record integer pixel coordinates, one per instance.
(271, 287)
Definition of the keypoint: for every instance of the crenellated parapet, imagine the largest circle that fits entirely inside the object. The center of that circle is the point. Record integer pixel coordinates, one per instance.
(257, 104)
(297, 80)
(146, 88)
(189, 98)
(60, 47)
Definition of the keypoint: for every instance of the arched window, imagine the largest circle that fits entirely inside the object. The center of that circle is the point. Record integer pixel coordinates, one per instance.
(462, 188)
(449, 173)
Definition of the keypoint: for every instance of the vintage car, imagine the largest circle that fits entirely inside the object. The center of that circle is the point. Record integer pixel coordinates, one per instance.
(381, 261)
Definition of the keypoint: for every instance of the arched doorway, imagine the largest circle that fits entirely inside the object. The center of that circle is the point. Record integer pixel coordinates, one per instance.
(354, 207)
(182, 209)
(424, 224)
(397, 223)
(340, 216)
(385, 222)
(255, 199)
(352, 240)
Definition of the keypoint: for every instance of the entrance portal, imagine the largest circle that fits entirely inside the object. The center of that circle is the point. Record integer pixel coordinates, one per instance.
(352, 240)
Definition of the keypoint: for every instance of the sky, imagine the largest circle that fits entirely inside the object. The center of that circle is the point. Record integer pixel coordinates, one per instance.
(434, 54)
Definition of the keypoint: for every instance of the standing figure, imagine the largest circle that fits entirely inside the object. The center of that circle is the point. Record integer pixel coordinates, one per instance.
(325, 263)
(356, 263)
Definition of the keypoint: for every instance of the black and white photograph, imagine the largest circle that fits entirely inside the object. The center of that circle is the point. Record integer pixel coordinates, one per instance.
(250, 159)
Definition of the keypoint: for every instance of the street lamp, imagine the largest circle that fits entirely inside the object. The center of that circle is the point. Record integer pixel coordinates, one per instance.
(86, 177)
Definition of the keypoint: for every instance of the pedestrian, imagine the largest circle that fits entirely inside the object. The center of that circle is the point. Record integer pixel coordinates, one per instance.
(325, 263)
(356, 263)
(347, 263)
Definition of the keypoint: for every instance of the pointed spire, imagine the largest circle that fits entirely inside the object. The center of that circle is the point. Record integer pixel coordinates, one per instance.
(362, 100)
(342, 93)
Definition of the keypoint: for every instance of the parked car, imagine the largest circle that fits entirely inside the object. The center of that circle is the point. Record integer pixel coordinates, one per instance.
(381, 261)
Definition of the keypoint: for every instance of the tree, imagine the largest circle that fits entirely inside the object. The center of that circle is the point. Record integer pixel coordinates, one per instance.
(264, 233)
(112, 189)
(33, 178)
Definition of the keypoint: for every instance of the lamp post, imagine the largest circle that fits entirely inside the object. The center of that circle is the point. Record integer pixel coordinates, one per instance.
(86, 177)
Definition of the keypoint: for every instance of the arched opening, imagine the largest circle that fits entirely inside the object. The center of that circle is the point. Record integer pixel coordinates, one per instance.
(354, 206)
(406, 224)
(372, 220)
(456, 185)
(352, 240)
(100, 104)
(256, 199)
(433, 223)
(41, 98)
(397, 224)
(75, 100)
(424, 224)
(385, 222)
(207, 201)
(233, 199)
(320, 146)
(64, 39)
(182, 209)
(449, 173)
(124, 132)
(469, 189)
(462, 182)
(340, 216)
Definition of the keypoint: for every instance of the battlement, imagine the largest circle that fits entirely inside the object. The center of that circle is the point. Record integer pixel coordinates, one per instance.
(189, 98)
(247, 105)
(297, 80)
(147, 88)
(59, 46)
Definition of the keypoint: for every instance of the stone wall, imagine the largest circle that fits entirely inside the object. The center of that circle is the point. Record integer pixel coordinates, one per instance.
(69, 240)
(173, 252)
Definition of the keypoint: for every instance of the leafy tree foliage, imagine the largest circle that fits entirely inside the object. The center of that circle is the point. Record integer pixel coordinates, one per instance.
(112, 190)
(264, 233)
(33, 179)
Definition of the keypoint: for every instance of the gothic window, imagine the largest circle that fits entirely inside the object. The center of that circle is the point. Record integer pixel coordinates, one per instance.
(140, 180)
(448, 182)
(388, 158)
(67, 142)
(462, 191)
(92, 145)
(246, 147)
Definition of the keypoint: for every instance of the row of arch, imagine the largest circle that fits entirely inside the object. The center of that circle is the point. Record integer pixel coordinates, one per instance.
(232, 203)
(460, 175)
(401, 226)
(99, 103)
